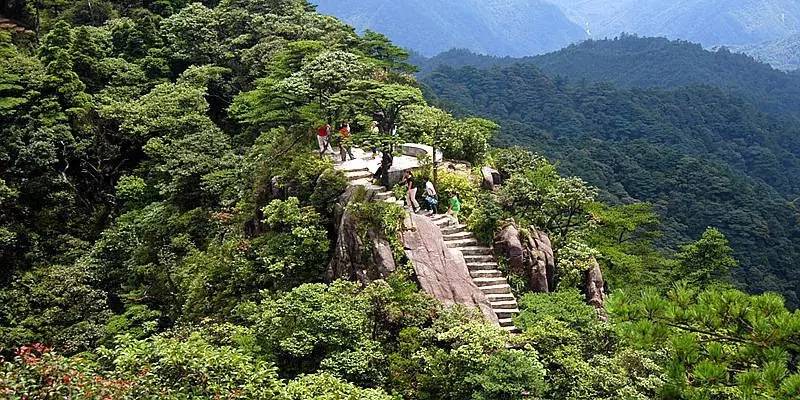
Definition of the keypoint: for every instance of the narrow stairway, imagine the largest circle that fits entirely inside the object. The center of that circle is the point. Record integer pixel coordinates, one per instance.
(483, 268)
(480, 260)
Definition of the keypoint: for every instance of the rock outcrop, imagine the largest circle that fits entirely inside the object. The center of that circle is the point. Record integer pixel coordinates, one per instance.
(529, 256)
(441, 271)
(364, 259)
(594, 288)
(491, 179)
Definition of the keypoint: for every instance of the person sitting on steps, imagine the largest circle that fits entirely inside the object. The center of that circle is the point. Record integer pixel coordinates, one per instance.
(411, 195)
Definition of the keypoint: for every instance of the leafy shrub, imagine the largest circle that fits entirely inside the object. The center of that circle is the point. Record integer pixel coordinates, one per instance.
(325, 386)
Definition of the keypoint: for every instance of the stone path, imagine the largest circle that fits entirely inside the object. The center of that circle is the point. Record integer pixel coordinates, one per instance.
(480, 260)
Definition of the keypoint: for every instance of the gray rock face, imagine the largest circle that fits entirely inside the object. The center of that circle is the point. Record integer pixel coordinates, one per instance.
(530, 257)
(542, 260)
(508, 245)
(491, 178)
(594, 288)
(441, 272)
(364, 259)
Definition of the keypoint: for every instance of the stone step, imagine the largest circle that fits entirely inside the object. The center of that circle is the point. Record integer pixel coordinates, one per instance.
(357, 175)
(504, 304)
(510, 328)
(478, 258)
(383, 195)
(450, 230)
(486, 273)
(490, 281)
(505, 312)
(482, 266)
(443, 221)
(349, 168)
(457, 235)
(503, 288)
(475, 251)
(505, 296)
(365, 182)
(469, 242)
(506, 322)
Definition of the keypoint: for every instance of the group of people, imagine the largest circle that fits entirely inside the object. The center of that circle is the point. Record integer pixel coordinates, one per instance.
(430, 196)
(325, 137)
(341, 139)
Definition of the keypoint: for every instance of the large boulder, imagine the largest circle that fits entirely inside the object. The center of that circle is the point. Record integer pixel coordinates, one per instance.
(442, 272)
(542, 260)
(364, 259)
(491, 178)
(507, 244)
(594, 288)
(530, 256)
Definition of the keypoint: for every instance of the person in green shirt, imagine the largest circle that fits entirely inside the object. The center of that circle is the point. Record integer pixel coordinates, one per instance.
(455, 206)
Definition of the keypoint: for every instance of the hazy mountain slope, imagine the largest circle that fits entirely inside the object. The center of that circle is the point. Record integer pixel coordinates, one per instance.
(702, 156)
(782, 53)
(502, 27)
(710, 22)
(653, 62)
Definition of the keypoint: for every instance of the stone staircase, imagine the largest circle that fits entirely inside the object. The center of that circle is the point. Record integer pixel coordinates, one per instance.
(483, 268)
(480, 260)
(361, 176)
(12, 26)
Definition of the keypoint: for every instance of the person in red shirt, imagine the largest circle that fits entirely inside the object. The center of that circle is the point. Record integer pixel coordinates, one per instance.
(323, 138)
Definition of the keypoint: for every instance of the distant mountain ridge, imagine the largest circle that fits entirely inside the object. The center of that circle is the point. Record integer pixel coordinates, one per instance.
(521, 28)
(782, 54)
(502, 27)
(709, 22)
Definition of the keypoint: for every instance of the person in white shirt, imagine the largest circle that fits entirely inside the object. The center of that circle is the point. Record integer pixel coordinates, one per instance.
(431, 197)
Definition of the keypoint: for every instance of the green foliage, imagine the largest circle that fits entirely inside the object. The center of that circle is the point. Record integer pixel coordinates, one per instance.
(335, 328)
(325, 386)
(459, 139)
(709, 260)
(535, 194)
(56, 304)
(582, 355)
(719, 342)
(157, 187)
(457, 359)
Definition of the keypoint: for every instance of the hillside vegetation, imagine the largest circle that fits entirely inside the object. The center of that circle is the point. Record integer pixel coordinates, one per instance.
(702, 156)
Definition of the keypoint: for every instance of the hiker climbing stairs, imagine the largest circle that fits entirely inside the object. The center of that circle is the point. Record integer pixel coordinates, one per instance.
(483, 268)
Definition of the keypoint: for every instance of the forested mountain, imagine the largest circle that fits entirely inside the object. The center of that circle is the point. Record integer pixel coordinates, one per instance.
(500, 27)
(782, 53)
(633, 62)
(172, 226)
(702, 156)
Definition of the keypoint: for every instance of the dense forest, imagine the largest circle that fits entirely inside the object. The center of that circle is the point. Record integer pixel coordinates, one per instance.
(629, 61)
(166, 227)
